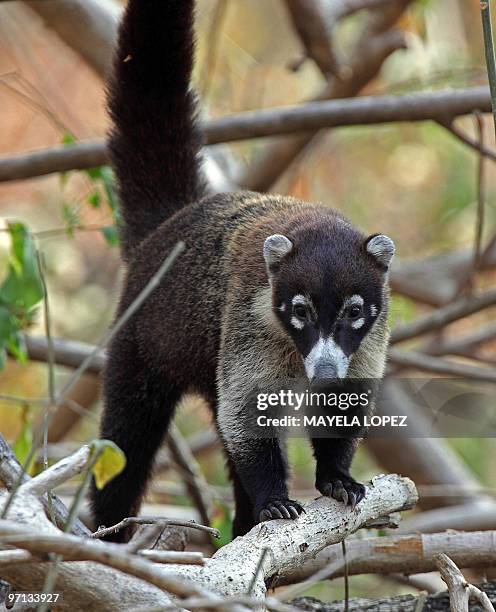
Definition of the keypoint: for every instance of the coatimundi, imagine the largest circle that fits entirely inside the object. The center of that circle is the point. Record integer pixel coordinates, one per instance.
(267, 288)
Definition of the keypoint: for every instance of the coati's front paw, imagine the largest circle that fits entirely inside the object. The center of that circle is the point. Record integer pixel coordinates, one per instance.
(279, 509)
(342, 488)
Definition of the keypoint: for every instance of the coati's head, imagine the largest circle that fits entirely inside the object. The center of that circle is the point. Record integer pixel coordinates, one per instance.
(329, 290)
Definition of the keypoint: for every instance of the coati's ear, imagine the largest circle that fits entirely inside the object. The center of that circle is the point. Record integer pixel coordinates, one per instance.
(381, 248)
(275, 248)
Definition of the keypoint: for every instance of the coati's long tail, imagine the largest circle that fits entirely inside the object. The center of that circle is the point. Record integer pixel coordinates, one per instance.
(154, 141)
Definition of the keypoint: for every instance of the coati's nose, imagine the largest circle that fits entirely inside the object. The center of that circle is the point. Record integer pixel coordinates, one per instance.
(325, 370)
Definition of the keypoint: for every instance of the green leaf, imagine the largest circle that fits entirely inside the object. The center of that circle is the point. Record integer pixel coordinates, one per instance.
(7, 325)
(110, 462)
(22, 289)
(109, 186)
(95, 174)
(111, 235)
(68, 139)
(17, 347)
(94, 199)
(71, 218)
(222, 521)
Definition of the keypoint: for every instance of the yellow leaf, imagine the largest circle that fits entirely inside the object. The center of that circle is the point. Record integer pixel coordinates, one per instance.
(111, 461)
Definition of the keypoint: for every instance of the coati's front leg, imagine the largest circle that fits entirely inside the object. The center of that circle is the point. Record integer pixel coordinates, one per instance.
(258, 464)
(333, 479)
(260, 472)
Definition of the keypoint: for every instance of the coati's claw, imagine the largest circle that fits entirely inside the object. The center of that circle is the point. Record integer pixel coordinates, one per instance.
(352, 500)
(265, 515)
(276, 513)
(280, 509)
(344, 489)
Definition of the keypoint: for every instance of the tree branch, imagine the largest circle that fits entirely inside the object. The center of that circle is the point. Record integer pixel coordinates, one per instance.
(426, 363)
(88, 26)
(441, 317)
(410, 554)
(460, 591)
(228, 572)
(375, 44)
(313, 29)
(10, 472)
(366, 110)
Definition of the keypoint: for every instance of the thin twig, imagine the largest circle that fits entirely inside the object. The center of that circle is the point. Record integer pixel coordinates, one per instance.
(151, 520)
(51, 372)
(481, 197)
(489, 52)
(467, 140)
(346, 578)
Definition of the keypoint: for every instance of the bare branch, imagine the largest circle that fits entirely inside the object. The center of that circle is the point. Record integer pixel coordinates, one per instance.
(470, 516)
(77, 549)
(10, 474)
(463, 307)
(14, 557)
(366, 110)
(460, 591)
(150, 520)
(311, 25)
(375, 44)
(88, 26)
(462, 345)
(426, 363)
(58, 473)
(173, 556)
(408, 554)
(466, 139)
(78, 156)
(228, 572)
(69, 353)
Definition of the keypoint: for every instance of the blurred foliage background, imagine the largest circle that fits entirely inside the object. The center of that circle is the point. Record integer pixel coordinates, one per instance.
(414, 182)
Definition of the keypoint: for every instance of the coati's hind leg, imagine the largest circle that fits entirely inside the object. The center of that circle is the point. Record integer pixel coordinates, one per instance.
(139, 405)
(333, 479)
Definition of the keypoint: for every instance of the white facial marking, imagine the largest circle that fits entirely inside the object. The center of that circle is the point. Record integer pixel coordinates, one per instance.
(355, 299)
(358, 323)
(326, 350)
(297, 323)
(373, 310)
(299, 299)
(282, 307)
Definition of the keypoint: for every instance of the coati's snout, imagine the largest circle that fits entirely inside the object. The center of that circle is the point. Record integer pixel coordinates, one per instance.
(328, 292)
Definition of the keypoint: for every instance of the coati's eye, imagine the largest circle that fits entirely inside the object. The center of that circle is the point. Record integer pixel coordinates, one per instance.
(300, 311)
(354, 311)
